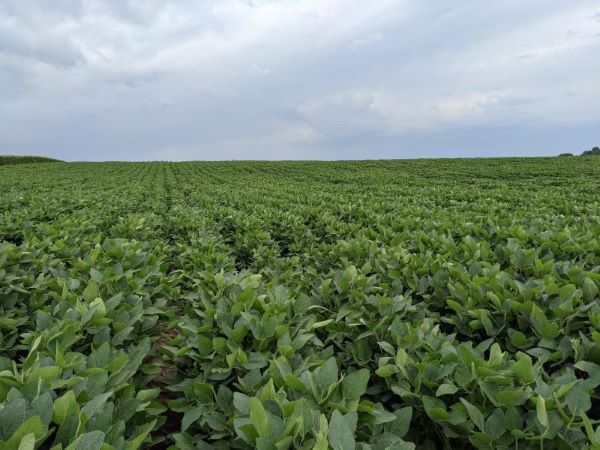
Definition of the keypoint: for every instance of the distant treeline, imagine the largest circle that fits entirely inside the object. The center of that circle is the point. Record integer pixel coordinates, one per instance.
(5, 160)
(593, 152)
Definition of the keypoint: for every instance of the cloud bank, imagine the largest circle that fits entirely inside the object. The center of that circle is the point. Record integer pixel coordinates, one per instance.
(297, 79)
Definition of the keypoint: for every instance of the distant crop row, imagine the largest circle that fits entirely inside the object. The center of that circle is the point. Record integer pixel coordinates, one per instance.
(351, 305)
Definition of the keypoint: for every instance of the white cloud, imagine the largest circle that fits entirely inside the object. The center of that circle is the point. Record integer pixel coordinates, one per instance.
(258, 70)
(369, 38)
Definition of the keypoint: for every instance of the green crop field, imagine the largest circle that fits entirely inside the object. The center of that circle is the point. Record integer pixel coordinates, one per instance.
(9, 160)
(277, 305)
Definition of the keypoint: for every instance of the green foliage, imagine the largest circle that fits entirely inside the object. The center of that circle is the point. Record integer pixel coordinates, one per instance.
(347, 305)
(6, 160)
(593, 152)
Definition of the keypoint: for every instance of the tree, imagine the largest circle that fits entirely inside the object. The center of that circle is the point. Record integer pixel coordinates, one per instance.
(566, 154)
(593, 152)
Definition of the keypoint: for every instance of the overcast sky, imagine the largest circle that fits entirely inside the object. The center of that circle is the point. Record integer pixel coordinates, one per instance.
(298, 79)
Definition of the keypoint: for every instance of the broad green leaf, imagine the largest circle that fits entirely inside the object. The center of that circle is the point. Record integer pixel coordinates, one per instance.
(142, 432)
(446, 389)
(241, 402)
(401, 425)
(354, 385)
(91, 291)
(518, 339)
(259, 418)
(340, 434)
(386, 371)
(326, 375)
(523, 368)
(27, 442)
(33, 425)
(590, 289)
(388, 441)
(95, 404)
(578, 399)
(11, 417)
(191, 416)
(474, 414)
(88, 441)
(65, 406)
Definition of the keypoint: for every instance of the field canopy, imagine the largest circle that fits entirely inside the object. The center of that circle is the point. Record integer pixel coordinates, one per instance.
(6, 160)
(278, 305)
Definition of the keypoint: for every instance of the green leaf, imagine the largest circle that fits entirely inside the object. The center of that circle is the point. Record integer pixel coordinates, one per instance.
(96, 275)
(326, 375)
(65, 406)
(446, 389)
(99, 308)
(355, 385)
(388, 441)
(191, 416)
(67, 431)
(322, 324)
(241, 403)
(321, 434)
(482, 440)
(143, 431)
(8, 323)
(518, 339)
(494, 424)
(33, 425)
(347, 278)
(95, 404)
(205, 346)
(590, 289)
(340, 434)
(183, 441)
(546, 328)
(592, 436)
(259, 418)
(88, 441)
(386, 371)
(91, 291)
(203, 393)
(401, 425)
(44, 373)
(578, 398)
(381, 415)
(264, 444)
(27, 442)
(523, 368)
(435, 408)
(509, 397)
(541, 414)
(387, 347)
(474, 414)
(43, 407)
(11, 417)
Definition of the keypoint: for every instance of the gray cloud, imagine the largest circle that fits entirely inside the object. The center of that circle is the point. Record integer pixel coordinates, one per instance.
(134, 80)
(23, 41)
(130, 79)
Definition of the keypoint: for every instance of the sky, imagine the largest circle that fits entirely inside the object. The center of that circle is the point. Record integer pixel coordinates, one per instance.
(101, 80)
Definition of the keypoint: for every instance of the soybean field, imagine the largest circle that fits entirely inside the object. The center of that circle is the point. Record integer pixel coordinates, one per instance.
(402, 304)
